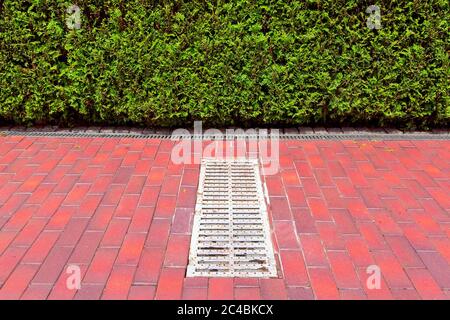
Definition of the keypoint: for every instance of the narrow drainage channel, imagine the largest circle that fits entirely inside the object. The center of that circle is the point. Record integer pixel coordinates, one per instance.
(231, 232)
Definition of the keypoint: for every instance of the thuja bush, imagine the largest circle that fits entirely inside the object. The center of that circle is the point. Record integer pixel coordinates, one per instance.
(241, 62)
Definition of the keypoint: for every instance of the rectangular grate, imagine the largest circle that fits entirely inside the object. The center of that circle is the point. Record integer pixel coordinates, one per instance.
(231, 233)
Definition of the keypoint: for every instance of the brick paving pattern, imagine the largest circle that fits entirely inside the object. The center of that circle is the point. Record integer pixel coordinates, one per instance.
(122, 211)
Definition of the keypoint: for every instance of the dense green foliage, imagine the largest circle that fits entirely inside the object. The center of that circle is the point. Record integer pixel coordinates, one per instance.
(241, 62)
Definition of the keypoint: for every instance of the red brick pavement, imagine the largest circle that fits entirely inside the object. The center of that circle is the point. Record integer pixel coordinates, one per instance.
(122, 211)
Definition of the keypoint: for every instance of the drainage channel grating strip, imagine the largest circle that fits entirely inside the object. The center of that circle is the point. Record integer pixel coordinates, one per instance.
(315, 136)
(231, 232)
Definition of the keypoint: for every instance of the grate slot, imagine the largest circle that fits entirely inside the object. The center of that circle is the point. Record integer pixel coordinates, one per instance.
(231, 236)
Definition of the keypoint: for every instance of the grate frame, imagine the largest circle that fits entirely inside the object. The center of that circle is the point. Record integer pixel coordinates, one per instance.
(238, 244)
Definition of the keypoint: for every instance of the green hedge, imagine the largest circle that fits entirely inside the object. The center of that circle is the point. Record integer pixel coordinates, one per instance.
(241, 62)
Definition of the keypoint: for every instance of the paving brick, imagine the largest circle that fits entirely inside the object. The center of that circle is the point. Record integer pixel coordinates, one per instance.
(39, 195)
(18, 282)
(155, 176)
(382, 293)
(88, 206)
(141, 220)
(343, 270)
(437, 266)
(30, 232)
(182, 221)
(115, 233)
(165, 207)
(177, 251)
(101, 218)
(85, 249)
(190, 178)
(221, 289)
(72, 232)
(161, 159)
(30, 184)
(20, 218)
(330, 236)
(358, 210)
(37, 292)
(316, 161)
(119, 283)
(405, 254)
(356, 177)
(41, 247)
(273, 289)
(296, 197)
(171, 185)
(60, 290)
(416, 237)
(304, 222)
(101, 266)
(127, 206)
(53, 265)
(323, 284)
(274, 186)
(113, 195)
(285, 235)
(300, 293)
(303, 169)
(397, 211)
(442, 245)
(385, 223)
(333, 199)
(370, 197)
(335, 168)
(14, 203)
(352, 294)
(198, 282)
(405, 294)
(149, 266)
(247, 294)
(6, 191)
(427, 223)
(358, 251)
(425, 284)
(131, 249)
(6, 237)
(159, 233)
(346, 188)
(294, 270)
(372, 235)
(290, 178)
(195, 293)
(170, 284)
(141, 293)
(311, 188)
(149, 196)
(89, 292)
(76, 195)
(187, 197)
(246, 282)
(392, 270)
(313, 250)
(319, 209)
(123, 175)
(343, 221)
(101, 184)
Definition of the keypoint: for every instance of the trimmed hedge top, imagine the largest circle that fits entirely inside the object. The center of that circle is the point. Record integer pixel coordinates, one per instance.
(242, 62)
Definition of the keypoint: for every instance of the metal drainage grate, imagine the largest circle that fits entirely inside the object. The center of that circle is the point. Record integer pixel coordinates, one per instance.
(231, 235)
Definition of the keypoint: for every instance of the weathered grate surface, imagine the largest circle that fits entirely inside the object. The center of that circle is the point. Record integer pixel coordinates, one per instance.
(231, 234)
